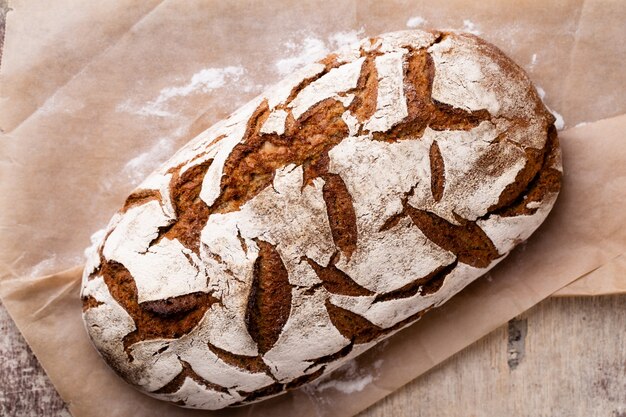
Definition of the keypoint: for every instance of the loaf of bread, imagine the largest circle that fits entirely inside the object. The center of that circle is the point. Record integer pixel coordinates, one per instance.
(320, 218)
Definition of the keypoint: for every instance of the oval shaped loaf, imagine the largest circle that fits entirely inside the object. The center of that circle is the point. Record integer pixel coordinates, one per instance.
(320, 218)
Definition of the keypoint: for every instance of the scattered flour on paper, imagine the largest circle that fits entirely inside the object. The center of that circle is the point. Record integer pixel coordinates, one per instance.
(340, 40)
(44, 267)
(60, 103)
(533, 61)
(348, 386)
(52, 264)
(138, 168)
(469, 26)
(415, 21)
(353, 379)
(203, 81)
(308, 51)
(313, 48)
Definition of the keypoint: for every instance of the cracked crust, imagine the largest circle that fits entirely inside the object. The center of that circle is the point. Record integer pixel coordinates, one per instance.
(323, 216)
(270, 298)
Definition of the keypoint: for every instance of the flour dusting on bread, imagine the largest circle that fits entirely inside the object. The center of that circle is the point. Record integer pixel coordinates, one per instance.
(320, 218)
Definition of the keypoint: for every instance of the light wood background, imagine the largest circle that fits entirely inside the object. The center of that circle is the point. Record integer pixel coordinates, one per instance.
(564, 357)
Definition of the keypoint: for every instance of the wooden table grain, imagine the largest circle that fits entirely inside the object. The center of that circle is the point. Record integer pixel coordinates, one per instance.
(564, 357)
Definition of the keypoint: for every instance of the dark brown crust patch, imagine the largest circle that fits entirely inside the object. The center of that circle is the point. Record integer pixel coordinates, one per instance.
(429, 284)
(316, 167)
(251, 166)
(333, 356)
(392, 221)
(140, 197)
(151, 325)
(329, 63)
(547, 180)
(423, 111)
(339, 207)
(304, 379)
(90, 302)
(341, 214)
(437, 172)
(191, 212)
(174, 305)
(187, 372)
(273, 389)
(269, 302)
(363, 105)
(534, 159)
(467, 241)
(242, 241)
(352, 326)
(359, 329)
(336, 281)
(252, 364)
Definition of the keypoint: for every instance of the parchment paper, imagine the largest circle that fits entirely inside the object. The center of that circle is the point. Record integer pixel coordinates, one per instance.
(610, 278)
(95, 96)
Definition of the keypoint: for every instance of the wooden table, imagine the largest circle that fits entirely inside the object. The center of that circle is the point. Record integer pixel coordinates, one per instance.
(564, 357)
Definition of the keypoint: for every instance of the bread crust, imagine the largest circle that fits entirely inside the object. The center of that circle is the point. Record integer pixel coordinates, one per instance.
(320, 218)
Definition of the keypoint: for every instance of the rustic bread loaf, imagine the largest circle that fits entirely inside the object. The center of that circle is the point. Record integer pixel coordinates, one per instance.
(320, 218)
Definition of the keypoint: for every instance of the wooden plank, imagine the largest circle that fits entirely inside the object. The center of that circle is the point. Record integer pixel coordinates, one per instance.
(25, 389)
(564, 357)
